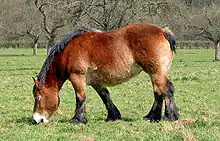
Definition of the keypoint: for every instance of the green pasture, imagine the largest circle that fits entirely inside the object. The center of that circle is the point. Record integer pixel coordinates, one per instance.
(195, 75)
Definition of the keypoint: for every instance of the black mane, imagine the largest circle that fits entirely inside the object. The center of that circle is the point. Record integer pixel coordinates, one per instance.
(57, 48)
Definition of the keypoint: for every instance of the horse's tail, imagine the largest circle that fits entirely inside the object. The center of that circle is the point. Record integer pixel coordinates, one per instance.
(170, 37)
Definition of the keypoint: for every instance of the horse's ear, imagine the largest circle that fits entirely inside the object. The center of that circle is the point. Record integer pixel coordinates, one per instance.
(36, 82)
(33, 79)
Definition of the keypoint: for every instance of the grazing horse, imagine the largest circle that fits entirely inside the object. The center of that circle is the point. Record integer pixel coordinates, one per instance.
(102, 59)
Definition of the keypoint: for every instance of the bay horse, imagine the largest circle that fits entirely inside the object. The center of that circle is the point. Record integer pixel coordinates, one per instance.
(102, 59)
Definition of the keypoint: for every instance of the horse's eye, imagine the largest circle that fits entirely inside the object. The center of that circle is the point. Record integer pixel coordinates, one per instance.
(38, 98)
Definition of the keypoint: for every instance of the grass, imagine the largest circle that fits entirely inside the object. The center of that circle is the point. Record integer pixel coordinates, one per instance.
(195, 76)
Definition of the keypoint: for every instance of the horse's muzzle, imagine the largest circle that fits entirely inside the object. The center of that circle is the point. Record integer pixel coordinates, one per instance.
(39, 118)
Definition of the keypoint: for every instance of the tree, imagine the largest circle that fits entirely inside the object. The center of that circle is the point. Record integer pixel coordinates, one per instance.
(20, 22)
(32, 26)
(194, 19)
(57, 15)
(12, 19)
(35, 38)
(49, 28)
(110, 14)
(203, 21)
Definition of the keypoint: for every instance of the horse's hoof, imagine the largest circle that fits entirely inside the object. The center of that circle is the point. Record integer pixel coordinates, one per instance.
(172, 118)
(152, 118)
(110, 119)
(116, 115)
(77, 121)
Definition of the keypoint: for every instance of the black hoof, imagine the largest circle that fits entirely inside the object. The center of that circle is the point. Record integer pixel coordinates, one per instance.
(173, 117)
(171, 114)
(113, 114)
(77, 121)
(152, 118)
(113, 119)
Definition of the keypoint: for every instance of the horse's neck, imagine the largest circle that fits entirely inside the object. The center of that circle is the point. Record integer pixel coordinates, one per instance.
(52, 80)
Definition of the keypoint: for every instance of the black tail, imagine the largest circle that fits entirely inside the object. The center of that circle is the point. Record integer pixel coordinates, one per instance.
(171, 38)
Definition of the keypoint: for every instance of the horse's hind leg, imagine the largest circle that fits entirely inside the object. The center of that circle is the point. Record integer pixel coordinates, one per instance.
(171, 111)
(113, 112)
(155, 112)
(163, 88)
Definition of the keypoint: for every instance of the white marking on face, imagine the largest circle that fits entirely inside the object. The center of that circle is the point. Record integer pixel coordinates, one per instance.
(39, 118)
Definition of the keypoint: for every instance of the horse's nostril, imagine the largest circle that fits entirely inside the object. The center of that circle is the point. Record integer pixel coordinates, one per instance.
(34, 122)
(37, 122)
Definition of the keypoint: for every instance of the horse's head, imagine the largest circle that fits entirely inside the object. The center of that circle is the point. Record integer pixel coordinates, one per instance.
(46, 102)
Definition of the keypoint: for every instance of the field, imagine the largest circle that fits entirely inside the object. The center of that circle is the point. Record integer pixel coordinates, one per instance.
(195, 75)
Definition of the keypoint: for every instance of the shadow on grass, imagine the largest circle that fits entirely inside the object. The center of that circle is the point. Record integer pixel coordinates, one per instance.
(29, 120)
(65, 121)
(125, 119)
(24, 120)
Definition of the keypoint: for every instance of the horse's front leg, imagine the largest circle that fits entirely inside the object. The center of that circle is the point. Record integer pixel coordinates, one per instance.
(79, 85)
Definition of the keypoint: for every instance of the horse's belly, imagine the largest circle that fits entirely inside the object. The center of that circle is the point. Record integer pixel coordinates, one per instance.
(113, 75)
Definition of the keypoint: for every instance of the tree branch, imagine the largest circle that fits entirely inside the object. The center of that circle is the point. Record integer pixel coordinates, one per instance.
(210, 23)
(31, 35)
(16, 35)
(94, 19)
(204, 33)
(57, 27)
(40, 9)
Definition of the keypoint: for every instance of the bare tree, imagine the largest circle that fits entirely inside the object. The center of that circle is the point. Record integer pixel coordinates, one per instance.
(32, 27)
(35, 38)
(204, 22)
(57, 15)
(20, 22)
(110, 14)
(194, 19)
(11, 21)
(49, 28)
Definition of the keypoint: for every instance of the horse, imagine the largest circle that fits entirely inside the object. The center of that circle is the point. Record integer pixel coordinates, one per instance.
(102, 59)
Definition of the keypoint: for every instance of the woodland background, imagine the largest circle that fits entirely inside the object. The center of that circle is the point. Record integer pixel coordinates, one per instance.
(41, 23)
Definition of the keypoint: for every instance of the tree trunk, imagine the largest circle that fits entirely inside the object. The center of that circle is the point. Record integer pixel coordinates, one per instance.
(217, 52)
(35, 46)
(50, 45)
